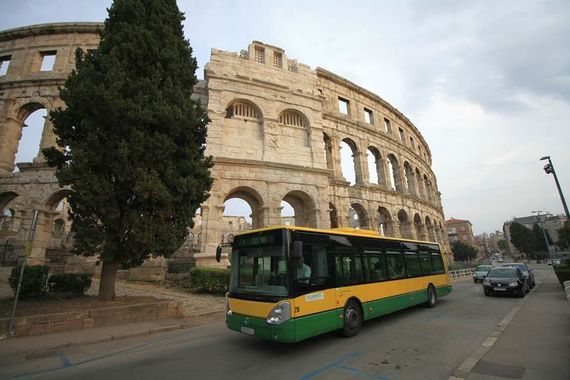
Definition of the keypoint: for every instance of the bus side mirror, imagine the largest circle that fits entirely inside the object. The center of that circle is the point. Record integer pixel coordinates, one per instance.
(218, 253)
(297, 250)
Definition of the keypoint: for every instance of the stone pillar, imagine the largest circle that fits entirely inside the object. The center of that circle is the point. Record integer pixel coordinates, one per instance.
(361, 168)
(48, 140)
(10, 135)
(335, 153)
(212, 219)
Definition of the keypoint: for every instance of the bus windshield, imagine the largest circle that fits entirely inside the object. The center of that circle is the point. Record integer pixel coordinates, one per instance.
(259, 265)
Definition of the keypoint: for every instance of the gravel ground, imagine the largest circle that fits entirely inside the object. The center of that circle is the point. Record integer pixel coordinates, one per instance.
(192, 304)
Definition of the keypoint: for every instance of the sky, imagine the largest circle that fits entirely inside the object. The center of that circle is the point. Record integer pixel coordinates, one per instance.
(487, 83)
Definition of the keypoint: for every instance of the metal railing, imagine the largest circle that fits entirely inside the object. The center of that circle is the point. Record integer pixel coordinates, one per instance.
(10, 251)
(461, 273)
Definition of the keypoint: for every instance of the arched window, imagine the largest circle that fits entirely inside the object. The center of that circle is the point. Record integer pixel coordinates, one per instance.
(394, 169)
(348, 152)
(293, 118)
(243, 110)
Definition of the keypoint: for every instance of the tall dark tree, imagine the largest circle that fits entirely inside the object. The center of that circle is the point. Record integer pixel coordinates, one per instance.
(521, 237)
(564, 236)
(502, 245)
(462, 251)
(131, 139)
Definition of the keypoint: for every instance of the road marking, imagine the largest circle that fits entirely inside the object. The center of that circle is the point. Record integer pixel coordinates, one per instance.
(338, 364)
(64, 359)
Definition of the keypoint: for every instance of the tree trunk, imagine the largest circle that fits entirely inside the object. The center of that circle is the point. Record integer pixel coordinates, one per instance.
(107, 284)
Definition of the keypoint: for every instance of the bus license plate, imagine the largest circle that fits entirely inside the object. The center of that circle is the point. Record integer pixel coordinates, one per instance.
(500, 289)
(247, 330)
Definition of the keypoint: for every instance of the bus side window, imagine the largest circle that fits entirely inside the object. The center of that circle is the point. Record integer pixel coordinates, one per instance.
(437, 263)
(412, 264)
(425, 264)
(377, 269)
(395, 266)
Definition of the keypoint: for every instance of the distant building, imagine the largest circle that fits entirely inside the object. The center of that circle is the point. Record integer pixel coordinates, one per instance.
(551, 223)
(460, 230)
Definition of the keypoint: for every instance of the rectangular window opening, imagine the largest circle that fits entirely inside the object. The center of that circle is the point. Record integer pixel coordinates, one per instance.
(48, 60)
(402, 135)
(4, 63)
(277, 60)
(387, 126)
(368, 116)
(343, 105)
(259, 54)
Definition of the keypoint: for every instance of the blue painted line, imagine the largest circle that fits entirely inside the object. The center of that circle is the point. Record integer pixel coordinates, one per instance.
(336, 363)
(363, 373)
(64, 359)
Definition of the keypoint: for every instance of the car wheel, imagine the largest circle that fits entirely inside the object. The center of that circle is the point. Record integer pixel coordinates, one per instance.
(487, 293)
(432, 296)
(352, 319)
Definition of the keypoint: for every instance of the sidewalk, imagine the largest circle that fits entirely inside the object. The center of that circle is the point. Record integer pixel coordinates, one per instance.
(43, 344)
(535, 343)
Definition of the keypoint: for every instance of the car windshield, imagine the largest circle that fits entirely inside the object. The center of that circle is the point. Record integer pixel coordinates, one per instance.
(483, 268)
(522, 267)
(259, 265)
(502, 273)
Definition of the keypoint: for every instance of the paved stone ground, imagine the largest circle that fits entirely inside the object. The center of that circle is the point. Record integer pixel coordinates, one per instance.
(192, 304)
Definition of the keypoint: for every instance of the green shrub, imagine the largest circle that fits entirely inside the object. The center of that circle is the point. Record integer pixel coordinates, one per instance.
(181, 265)
(562, 272)
(74, 283)
(209, 280)
(34, 281)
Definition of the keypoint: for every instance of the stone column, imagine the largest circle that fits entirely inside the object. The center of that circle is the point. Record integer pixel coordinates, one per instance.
(335, 157)
(212, 219)
(10, 134)
(361, 168)
(47, 141)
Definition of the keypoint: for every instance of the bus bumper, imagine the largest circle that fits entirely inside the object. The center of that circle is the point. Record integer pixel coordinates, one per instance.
(259, 327)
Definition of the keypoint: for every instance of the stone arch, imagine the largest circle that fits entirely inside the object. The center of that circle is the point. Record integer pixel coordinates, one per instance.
(358, 217)
(376, 166)
(53, 200)
(254, 200)
(333, 215)
(10, 215)
(405, 224)
(394, 171)
(293, 117)
(385, 223)
(304, 206)
(430, 229)
(419, 227)
(409, 178)
(429, 190)
(348, 169)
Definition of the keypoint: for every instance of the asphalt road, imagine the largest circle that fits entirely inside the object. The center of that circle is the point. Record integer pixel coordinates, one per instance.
(418, 343)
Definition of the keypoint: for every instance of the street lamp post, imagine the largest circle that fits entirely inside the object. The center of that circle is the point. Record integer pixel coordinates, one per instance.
(549, 168)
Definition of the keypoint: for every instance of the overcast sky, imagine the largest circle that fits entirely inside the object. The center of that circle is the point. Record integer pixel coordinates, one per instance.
(487, 83)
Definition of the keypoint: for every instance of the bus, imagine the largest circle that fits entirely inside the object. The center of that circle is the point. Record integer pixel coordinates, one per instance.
(292, 283)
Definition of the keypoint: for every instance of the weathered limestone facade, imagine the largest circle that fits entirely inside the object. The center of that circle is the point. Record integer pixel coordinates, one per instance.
(275, 135)
(24, 89)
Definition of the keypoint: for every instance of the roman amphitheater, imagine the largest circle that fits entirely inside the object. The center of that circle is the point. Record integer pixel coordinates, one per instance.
(277, 131)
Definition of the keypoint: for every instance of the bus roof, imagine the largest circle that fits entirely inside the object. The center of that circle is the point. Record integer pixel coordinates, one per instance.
(337, 231)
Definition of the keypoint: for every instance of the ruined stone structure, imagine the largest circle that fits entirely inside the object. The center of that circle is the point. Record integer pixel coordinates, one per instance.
(275, 135)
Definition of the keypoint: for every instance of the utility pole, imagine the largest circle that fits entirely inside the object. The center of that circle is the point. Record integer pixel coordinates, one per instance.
(549, 168)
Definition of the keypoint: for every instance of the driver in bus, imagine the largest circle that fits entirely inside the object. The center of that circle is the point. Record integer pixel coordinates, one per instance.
(302, 270)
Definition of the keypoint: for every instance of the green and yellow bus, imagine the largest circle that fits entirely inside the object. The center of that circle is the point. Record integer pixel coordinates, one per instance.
(292, 283)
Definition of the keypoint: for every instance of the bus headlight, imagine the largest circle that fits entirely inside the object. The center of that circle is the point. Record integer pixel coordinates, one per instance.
(279, 314)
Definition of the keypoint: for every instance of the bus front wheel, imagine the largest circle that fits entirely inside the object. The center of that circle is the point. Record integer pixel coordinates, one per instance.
(352, 319)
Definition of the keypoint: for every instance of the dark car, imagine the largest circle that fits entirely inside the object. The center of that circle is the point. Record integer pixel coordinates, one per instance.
(480, 273)
(505, 280)
(527, 272)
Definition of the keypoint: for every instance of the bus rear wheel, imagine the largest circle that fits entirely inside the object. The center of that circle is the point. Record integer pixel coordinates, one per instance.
(352, 319)
(432, 296)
